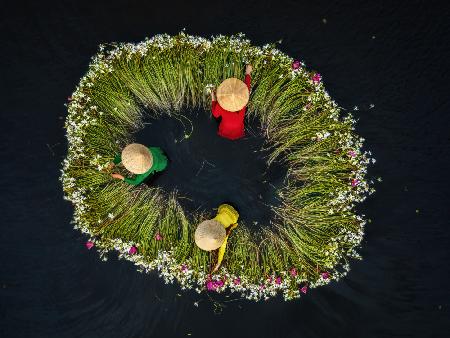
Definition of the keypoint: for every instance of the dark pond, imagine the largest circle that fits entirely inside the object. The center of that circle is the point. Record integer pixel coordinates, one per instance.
(208, 170)
(390, 54)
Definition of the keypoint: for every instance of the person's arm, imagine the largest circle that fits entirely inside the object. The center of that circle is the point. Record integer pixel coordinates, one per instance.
(214, 105)
(117, 159)
(220, 255)
(118, 176)
(223, 247)
(138, 179)
(248, 79)
(215, 108)
(231, 227)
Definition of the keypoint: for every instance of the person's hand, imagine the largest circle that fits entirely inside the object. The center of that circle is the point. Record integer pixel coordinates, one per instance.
(118, 176)
(248, 69)
(230, 228)
(216, 268)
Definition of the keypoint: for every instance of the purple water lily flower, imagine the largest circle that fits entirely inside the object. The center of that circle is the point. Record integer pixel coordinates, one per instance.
(355, 182)
(184, 268)
(210, 286)
(293, 272)
(296, 65)
(316, 78)
(304, 289)
(133, 250)
(278, 280)
(89, 245)
(325, 275)
(237, 281)
(352, 153)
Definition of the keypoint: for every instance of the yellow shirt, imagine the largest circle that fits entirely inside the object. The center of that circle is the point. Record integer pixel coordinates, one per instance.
(227, 216)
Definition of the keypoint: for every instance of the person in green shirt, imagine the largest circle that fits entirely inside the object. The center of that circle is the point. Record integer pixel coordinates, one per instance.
(141, 161)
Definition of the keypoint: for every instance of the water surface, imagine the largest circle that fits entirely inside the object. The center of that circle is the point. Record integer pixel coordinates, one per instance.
(389, 54)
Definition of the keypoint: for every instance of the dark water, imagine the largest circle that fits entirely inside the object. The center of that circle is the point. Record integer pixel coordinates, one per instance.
(390, 54)
(208, 170)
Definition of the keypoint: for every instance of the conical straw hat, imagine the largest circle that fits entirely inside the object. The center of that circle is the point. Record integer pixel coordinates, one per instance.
(233, 94)
(210, 235)
(137, 158)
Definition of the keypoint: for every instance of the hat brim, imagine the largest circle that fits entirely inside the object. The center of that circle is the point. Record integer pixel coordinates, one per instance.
(209, 235)
(233, 94)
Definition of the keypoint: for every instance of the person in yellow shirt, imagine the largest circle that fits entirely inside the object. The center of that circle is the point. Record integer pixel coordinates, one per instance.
(213, 234)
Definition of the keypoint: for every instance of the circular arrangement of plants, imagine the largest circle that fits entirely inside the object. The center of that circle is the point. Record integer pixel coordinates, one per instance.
(315, 230)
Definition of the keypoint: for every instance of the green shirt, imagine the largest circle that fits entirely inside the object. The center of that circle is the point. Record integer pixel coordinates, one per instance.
(159, 164)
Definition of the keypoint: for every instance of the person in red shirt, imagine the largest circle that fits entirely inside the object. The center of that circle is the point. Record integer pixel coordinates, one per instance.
(231, 103)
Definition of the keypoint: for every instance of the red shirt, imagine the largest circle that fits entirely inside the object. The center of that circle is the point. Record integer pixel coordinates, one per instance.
(232, 124)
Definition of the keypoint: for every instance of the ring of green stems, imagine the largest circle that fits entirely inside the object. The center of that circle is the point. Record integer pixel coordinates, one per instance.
(315, 230)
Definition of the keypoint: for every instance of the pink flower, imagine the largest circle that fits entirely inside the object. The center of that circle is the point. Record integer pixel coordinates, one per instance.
(89, 245)
(262, 287)
(352, 153)
(325, 275)
(184, 268)
(133, 250)
(316, 78)
(304, 289)
(296, 65)
(293, 272)
(210, 286)
(278, 280)
(355, 182)
(237, 281)
(158, 236)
